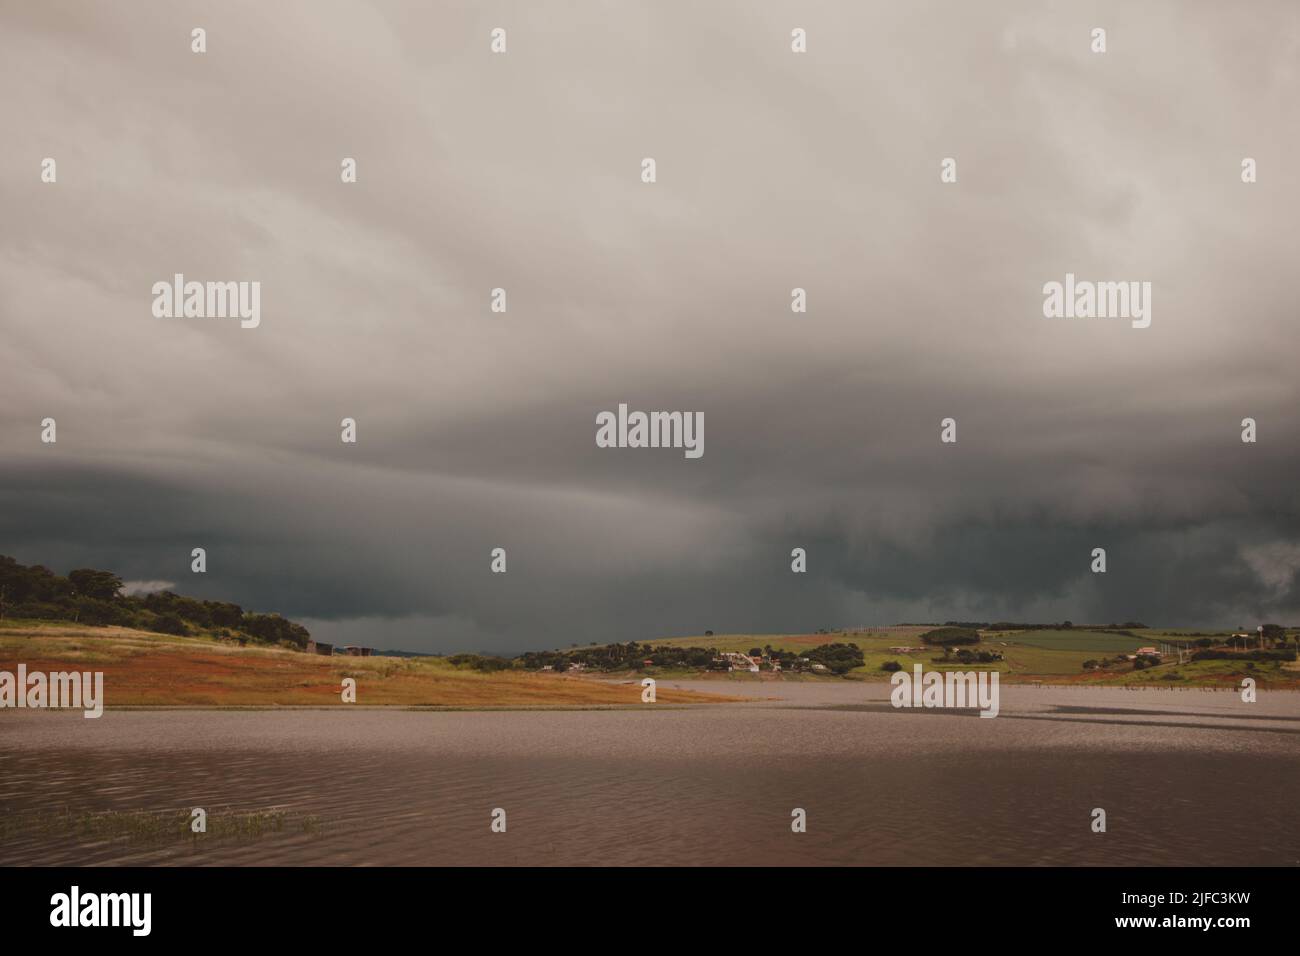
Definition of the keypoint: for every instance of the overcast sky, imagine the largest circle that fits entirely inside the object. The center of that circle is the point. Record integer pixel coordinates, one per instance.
(775, 170)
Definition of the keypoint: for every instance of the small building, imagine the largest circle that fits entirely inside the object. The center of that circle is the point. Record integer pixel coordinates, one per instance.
(741, 662)
(1147, 652)
(352, 650)
(320, 647)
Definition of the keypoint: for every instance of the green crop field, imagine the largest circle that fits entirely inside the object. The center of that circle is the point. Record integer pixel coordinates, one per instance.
(1073, 639)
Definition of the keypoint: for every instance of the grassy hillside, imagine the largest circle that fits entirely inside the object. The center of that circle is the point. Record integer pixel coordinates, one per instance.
(1075, 639)
(1055, 656)
(149, 669)
(143, 668)
(88, 596)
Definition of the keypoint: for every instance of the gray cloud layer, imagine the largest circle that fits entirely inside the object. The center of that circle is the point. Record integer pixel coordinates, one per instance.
(476, 430)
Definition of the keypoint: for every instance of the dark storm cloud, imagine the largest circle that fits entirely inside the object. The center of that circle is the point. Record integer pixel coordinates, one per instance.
(476, 430)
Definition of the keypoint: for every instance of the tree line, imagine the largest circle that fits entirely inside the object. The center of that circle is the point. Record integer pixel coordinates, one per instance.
(837, 658)
(94, 597)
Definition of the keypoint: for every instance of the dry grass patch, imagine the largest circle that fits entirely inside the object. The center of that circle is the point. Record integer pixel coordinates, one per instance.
(143, 669)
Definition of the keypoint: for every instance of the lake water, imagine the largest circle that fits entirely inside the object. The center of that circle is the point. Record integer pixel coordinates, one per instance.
(1185, 777)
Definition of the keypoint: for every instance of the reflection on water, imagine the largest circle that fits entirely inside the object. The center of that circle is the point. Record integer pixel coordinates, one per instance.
(687, 786)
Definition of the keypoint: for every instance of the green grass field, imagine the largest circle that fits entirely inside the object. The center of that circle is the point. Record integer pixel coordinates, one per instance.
(1050, 655)
(1095, 643)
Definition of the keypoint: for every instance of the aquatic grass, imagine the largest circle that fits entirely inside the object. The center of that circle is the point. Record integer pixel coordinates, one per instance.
(157, 827)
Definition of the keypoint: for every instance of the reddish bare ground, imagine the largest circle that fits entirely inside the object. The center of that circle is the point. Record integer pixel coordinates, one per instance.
(220, 677)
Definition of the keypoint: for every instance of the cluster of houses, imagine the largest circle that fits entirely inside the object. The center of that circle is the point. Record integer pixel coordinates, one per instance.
(735, 661)
(328, 650)
(727, 661)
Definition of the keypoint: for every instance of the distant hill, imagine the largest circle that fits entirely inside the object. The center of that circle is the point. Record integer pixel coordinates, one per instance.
(93, 597)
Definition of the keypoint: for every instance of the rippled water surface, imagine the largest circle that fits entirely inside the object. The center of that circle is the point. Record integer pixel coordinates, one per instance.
(1185, 777)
